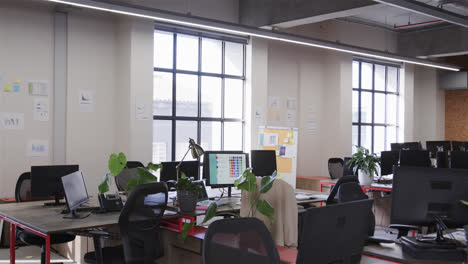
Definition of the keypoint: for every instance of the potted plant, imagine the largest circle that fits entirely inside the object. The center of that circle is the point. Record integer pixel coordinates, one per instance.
(365, 164)
(187, 193)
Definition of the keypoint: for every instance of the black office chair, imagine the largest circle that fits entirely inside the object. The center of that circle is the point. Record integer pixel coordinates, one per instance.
(442, 159)
(124, 177)
(347, 170)
(335, 167)
(333, 197)
(415, 158)
(134, 164)
(22, 194)
(239, 240)
(139, 228)
(459, 160)
(388, 160)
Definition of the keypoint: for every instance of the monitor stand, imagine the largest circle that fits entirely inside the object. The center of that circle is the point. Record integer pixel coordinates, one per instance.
(75, 215)
(56, 203)
(229, 191)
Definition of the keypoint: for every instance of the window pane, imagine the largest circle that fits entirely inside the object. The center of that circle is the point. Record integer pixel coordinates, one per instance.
(366, 137)
(187, 95)
(355, 138)
(379, 77)
(355, 106)
(232, 136)
(211, 55)
(234, 59)
(187, 53)
(392, 111)
(211, 97)
(233, 98)
(366, 76)
(184, 131)
(163, 49)
(355, 74)
(162, 134)
(366, 107)
(162, 95)
(379, 107)
(391, 136)
(211, 135)
(379, 139)
(392, 85)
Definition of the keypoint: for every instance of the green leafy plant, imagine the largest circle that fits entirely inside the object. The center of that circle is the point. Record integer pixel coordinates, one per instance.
(186, 184)
(118, 162)
(464, 202)
(365, 161)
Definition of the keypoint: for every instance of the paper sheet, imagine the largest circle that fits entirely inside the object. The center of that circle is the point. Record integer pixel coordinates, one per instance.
(141, 110)
(311, 119)
(259, 120)
(12, 121)
(39, 88)
(270, 140)
(86, 101)
(37, 148)
(284, 165)
(41, 109)
(291, 103)
(274, 102)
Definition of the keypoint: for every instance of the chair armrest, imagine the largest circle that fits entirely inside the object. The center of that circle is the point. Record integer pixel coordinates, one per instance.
(403, 229)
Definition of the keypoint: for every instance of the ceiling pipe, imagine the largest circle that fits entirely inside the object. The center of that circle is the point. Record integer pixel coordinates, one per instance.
(419, 24)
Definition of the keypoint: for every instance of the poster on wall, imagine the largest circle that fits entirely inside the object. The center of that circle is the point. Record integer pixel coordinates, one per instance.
(12, 121)
(86, 101)
(141, 110)
(38, 88)
(41, 109)
(37, 148)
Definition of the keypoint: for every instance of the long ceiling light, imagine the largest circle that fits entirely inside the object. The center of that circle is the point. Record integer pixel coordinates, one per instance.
(209, 24)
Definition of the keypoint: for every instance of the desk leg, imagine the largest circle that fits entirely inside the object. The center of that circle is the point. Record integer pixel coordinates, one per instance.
(47, 249)
(12, 242)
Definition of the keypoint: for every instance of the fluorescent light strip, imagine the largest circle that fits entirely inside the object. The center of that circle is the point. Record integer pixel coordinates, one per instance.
(265, 35)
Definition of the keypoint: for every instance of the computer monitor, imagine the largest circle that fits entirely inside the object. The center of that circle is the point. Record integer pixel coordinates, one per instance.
(425, 196)
(263, 162)
(335, 233)
(221, 168)
(190, 168)
(459, 145)
(438, 146)
(76, 193)
(415, 158)
(406, 146)
(388, 159)
(45, 180)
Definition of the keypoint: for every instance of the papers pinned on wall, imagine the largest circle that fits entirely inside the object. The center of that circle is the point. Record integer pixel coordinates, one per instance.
(37, 148)
(141, 110)
(274, 102)
(86, 101)
(38, 88)
(291, 103)
(12, 121)
(41, 109)
(259, 120)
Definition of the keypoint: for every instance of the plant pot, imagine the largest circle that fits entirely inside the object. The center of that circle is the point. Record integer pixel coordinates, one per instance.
(364, 178)
(187, 200)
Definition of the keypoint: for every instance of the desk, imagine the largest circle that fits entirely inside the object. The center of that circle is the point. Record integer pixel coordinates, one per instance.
(373, 187)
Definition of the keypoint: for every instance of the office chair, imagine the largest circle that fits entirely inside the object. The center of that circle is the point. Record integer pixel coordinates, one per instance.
(239, 240)
(388, 160)
(139, 228)
(458, 145)
(442, 160)
(124, 177)
(347, 170)
(333, 196)
(335, 167)
(134, 164)
(459, 160)
(22, 194)
(415, 158)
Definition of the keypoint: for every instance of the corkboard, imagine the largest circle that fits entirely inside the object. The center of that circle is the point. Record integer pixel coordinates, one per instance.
(456, 115)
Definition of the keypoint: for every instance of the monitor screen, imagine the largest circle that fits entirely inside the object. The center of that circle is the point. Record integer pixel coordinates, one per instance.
(420, 195)
(438, 146)
(263, 162)
(190, 168)
(45, 180)
(75, 190)
(220, 169)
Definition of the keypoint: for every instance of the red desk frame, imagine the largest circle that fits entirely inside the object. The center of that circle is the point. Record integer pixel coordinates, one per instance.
(13, 225)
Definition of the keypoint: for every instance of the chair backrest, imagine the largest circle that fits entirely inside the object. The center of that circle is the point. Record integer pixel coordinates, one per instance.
(333, 196)
(442, 160)
(124, 177)
(335, 234)
(459, 160)
(388, 160)
(139, 222)
(335, 167)
(23, 188)
(347, 170)
(239, 240)
(134, 164)
(459, 145)
(415, 158)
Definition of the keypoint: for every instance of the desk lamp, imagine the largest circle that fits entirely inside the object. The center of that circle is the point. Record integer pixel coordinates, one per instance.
(197, 151)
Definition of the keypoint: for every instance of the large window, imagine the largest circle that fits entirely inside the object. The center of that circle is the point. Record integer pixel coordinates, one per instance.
(375, 105)
(198, 93)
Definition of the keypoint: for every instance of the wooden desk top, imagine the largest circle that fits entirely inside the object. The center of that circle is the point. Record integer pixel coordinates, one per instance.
(373, 185)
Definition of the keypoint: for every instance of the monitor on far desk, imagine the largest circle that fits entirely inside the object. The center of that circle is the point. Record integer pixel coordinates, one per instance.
(45, 181)
(76, 194)
(221, 168)
(189, 168)
(263, 162)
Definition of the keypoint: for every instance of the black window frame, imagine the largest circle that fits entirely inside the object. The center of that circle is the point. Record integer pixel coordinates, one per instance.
(359, 89)
(199, 73)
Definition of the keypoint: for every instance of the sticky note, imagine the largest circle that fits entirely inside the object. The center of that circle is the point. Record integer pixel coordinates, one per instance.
(284, 165)
(16, 88)
(8, 88)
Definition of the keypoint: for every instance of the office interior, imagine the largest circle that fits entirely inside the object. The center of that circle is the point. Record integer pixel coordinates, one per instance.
(82, 79)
